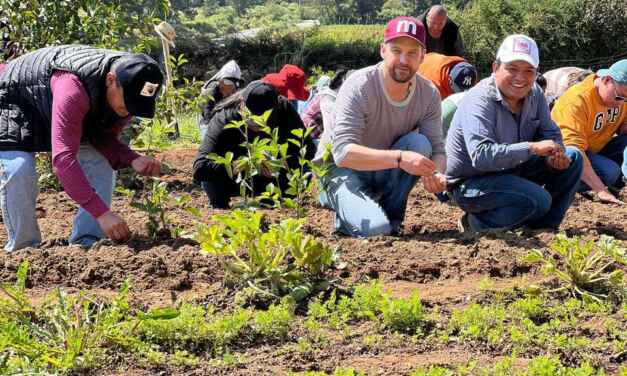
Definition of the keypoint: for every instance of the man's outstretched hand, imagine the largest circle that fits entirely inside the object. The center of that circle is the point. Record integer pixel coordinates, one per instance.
(147, 166)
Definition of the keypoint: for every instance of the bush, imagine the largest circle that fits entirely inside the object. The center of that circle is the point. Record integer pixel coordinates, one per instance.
(352, 46)
(568, 32)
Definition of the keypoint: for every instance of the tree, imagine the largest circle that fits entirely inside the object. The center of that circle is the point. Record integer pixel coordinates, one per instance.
(394, 8)
(110, 24)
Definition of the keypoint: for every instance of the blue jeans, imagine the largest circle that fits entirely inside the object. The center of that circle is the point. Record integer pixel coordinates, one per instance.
(533, 195)
(610, 163)
(18, 197)
(369, 203)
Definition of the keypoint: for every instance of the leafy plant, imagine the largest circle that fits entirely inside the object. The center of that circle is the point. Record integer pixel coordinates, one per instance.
(300, 179)
(262, 154)
(197, 328)
(111, 24)
(179, 97)
(432, 371)
(47, 178)
(272, 263)
(276, 321)
(154, 204)
(478, 323)
(587, 269)
(404, 315)
(67, 333)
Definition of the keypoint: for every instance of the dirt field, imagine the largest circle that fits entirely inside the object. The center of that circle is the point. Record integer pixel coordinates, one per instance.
(430, 256)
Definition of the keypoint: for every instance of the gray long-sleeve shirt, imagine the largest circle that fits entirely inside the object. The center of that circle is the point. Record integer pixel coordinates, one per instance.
(365, 115)
(486, 137)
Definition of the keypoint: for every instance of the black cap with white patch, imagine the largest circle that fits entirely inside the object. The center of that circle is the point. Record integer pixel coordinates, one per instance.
(141, 80)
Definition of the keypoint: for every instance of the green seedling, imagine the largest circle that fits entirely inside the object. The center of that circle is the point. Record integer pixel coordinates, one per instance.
(403, 315)
(300, 178)
(263, 155)
(587, 269)
(154, 204)
(47, 179)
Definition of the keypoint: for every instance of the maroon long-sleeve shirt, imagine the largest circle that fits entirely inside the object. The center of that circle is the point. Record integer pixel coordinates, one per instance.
(70, 105)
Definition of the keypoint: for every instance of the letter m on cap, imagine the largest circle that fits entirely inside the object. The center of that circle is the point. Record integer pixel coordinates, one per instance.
(405, 26)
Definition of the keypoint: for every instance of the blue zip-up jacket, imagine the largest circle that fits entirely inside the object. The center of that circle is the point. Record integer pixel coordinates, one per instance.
(486, 137)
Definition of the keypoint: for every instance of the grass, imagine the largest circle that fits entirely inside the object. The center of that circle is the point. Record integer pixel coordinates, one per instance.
(80, 333)
(156, 134)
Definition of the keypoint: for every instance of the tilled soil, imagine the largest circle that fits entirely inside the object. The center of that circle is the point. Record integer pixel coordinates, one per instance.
(430, 255)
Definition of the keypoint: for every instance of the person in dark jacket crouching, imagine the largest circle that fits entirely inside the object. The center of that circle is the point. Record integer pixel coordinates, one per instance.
(258, 97)
(71, 100)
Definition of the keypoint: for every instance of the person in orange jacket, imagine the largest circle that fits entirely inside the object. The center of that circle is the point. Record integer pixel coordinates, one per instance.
(449, 74)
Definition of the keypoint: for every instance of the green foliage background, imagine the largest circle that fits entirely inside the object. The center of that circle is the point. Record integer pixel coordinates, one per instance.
(585, 33)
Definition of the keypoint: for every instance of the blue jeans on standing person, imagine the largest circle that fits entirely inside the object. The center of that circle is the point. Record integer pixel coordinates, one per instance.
(533, 195)
(369, 203)
(610, 163)
(18, 197)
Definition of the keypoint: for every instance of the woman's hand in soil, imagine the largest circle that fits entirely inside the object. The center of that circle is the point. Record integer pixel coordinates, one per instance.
(114, 226)
(146, 166)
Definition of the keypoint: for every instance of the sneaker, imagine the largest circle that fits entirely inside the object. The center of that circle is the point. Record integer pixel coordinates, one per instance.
(463, 225)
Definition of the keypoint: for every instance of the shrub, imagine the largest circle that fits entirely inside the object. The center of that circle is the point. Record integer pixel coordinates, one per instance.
(568, 32)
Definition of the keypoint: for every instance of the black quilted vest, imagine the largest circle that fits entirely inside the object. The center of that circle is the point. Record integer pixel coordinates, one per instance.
(26, 97)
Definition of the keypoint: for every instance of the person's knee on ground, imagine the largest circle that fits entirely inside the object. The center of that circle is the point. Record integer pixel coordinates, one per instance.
(216, 193)
(357, 210)
(369, 226)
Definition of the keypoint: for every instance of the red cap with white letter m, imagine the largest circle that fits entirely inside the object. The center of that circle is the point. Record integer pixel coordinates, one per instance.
(405, 27)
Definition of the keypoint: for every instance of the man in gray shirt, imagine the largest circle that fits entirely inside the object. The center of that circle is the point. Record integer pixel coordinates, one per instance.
(506, 164)
(385, 134)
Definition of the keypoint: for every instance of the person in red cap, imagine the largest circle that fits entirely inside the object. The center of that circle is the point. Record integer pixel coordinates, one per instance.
(385, 135)
(72, 100)
(290, 83)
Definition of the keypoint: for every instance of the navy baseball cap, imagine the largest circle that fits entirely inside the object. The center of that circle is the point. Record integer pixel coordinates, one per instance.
(141, 80)
(463, 76)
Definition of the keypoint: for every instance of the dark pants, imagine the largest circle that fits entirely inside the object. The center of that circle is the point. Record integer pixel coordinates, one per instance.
(220, 189)
(533, 195)
(610, 163)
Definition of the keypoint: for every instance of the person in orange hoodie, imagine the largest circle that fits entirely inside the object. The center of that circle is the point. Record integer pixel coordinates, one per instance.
(449, 74)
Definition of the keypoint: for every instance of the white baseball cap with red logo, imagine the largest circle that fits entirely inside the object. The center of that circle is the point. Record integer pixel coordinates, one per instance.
(519, 47)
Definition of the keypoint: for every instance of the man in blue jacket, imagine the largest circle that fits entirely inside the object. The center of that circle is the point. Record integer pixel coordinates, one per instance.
(506, 164)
